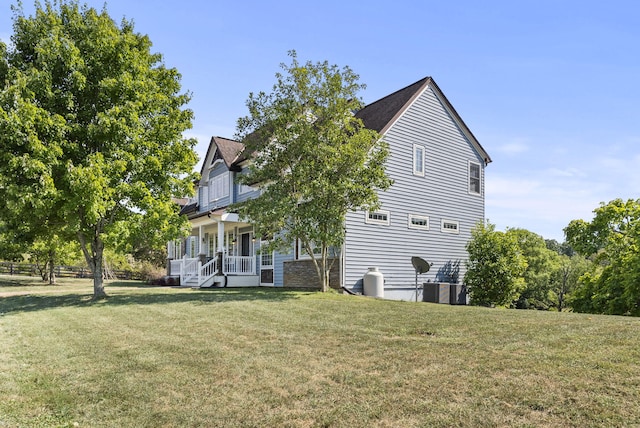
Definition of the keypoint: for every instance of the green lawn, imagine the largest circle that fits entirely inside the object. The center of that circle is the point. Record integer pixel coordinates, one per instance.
(153, 357)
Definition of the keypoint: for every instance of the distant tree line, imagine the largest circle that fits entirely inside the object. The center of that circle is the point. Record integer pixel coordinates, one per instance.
(597, 269)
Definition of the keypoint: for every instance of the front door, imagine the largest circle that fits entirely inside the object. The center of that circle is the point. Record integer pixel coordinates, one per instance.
(245, 245)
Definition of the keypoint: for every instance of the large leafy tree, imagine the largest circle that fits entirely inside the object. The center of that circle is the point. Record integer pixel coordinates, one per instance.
(91, 126)
(612, 241)
(313, 159)
(495, 266)
(541, 264)
(565, 279)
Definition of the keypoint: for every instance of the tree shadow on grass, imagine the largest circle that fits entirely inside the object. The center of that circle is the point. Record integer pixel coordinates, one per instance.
(38, 302)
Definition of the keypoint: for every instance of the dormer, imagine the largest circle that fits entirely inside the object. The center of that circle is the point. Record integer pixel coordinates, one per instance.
(217, 176)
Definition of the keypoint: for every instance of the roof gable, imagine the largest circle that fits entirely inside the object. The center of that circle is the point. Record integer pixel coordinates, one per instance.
(229, 151)
(382, 114)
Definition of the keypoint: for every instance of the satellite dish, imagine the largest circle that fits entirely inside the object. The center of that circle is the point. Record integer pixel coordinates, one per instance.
(421, 266)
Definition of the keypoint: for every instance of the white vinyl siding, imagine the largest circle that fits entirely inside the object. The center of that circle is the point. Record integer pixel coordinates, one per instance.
(219, 187)
(415, 221)
(443, 193)
(418, 160)
(377, 217)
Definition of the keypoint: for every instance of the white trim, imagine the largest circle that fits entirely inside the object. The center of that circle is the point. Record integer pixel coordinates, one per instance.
(450, 226)
(203, 196)
(381, 217)
(264, 266)
(419, 159)
(479, 192)
(420, 219)
(216, 162)
(230, 217)
(407, 106)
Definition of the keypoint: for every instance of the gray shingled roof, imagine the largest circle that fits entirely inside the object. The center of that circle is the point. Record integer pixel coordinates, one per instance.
(230, 151)
(380, 114)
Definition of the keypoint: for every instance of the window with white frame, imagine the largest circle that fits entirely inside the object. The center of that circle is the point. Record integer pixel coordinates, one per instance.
(301, 251)
(418, 160)
(416, 221)
(377, 217)
(450, 226)
(218, 187)
(474, 178)
(175, 249)
(210, 239)
(192, 246)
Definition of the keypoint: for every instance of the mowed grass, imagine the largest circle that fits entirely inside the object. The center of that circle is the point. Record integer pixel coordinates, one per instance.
(165, 357)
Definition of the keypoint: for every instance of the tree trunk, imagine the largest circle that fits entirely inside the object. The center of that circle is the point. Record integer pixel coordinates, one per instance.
(98, 284)
(52, 273)
(93, 255)
(323, 280)
(325, 271)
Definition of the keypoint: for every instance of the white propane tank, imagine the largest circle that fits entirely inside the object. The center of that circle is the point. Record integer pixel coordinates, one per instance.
(373, 283)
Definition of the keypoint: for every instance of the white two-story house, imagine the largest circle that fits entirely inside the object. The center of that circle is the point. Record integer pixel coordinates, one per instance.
(437, 167)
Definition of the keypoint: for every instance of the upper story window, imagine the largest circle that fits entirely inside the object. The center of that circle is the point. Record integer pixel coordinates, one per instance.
(474, 178)
(418, 160)
(377, 217)
(218, 187)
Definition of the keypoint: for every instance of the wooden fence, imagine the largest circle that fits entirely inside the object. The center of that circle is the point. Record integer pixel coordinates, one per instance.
(30, 269)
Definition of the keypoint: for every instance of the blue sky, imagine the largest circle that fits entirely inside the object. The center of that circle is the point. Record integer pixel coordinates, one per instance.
(549, 88)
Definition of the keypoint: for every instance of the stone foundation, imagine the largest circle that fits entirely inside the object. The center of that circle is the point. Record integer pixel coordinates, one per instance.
(303, 274)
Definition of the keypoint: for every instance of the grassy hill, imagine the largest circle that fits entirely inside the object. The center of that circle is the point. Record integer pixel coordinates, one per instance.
(152, 357)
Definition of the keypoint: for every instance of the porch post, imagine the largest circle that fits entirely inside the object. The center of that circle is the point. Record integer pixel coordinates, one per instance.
(220, 247)
(201, 254)
(169, 256)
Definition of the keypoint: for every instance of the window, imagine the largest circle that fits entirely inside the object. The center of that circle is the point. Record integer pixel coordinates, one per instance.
(474, 178)
(266, 259)
(218, 187)
(450, 226)
(192, 246)
(175, 249)
(418, 160)
(418, 222)
(377, 217)
(301, 250)
(210, 239)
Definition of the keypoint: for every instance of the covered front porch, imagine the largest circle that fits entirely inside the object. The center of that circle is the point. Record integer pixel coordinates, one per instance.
(221, 251)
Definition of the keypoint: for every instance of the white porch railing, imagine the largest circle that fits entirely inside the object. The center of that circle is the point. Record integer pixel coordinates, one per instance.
(192, 269)
(189, 269)
(208, 270)
(239, 265)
